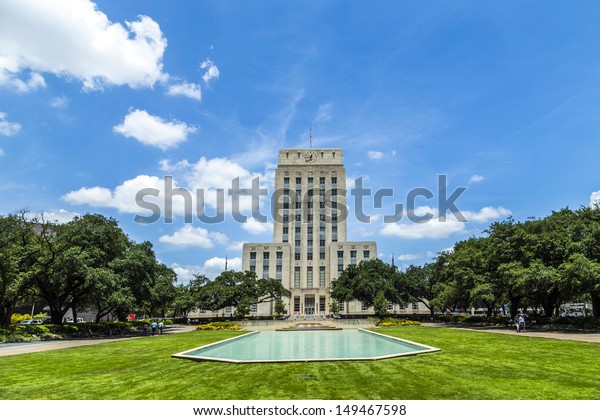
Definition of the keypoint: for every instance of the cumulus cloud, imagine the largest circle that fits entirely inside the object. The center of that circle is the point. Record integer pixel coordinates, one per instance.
(255, 227)
(189, 236)
(152, 130)
(61, 216)
(190, 90)
(476, 178)
(437, 228)
(376, 155)
(211, 268)
(595, 199)
(207, 179)
(8, 128)
(211, 71)
(123, 196)
(75, 40)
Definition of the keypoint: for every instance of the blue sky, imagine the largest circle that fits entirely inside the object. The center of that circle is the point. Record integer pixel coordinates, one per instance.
(100, 100)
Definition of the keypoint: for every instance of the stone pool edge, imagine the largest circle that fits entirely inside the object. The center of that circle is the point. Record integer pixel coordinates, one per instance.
(184, 355)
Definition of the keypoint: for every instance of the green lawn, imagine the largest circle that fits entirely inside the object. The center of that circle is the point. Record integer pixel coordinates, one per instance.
(471, 365)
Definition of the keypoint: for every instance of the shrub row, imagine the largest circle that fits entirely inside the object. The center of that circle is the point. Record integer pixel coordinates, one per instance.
(392, 322)
(214, 326)
(18, 333)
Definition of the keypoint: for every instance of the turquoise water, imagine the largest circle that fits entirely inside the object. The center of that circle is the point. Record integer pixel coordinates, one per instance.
(306, 345)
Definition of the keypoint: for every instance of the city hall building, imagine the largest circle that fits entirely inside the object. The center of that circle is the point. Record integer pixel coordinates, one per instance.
(309, 248)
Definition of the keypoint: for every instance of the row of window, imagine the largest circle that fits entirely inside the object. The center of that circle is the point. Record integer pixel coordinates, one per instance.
(310, 182)
(309, 277)
(254, 306)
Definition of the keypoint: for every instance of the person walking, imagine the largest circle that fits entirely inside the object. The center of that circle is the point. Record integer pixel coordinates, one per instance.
(160, 327)
(522, 323)
(145, 329)
(153, 326)
(517, 323)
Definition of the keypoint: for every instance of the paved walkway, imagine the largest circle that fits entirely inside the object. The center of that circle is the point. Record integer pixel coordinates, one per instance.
(11, 349)
(558, 335)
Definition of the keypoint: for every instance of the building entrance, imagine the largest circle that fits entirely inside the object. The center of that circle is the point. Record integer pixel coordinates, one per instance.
(309, 306)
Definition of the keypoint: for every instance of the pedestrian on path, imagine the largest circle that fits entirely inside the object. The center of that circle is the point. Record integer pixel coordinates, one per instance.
(153, 325)
(517, 323)
(160, 327)
(522, 323)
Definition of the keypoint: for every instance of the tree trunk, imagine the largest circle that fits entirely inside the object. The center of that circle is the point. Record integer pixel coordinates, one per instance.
(595, 304)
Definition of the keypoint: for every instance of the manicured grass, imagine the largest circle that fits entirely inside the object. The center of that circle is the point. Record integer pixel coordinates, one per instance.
(471, 365)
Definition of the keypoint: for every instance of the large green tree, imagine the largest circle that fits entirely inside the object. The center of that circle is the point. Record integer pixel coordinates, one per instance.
(374, 283)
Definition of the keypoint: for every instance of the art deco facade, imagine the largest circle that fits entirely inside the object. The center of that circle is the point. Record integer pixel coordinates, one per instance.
(309, 247)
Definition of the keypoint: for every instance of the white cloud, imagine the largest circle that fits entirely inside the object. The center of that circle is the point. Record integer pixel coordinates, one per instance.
(59, 102)
(207, 176)
(409, 257)
(75, 40)
(190, 90)
(486, 214)
(211, 71)
(8, 128)
(476, 178)
(152, 130)
(437, 228)
(255, 227)
(211, 268)
(595, 199)
(1, 152)
(123, 197)
(189, 236)
(35, 82)
(61, 216)
(376, 155)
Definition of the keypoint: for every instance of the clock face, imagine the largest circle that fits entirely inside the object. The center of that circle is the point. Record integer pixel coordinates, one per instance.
(309, 157)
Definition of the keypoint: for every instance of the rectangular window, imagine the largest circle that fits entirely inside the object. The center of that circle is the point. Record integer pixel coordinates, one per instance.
(309, 277)
(309, 231)
(322, 183)
(297, 277)
(341, 306)
(310, 182)
(415, 306)
(366, 255)
(353, 257)
(228, 309)
(321, 255)
(297, 304)
(321, 276)
(298, 184)
(364, 307)
(286, 183)
(334, 181)
(254, 308)
(253, 255)
(266, 256)
(297, 256)
(322, 304)
(309, 256)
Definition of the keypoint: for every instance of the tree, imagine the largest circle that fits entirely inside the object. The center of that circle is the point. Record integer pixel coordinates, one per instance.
(371, 282)
(240, 290)
(21, 245)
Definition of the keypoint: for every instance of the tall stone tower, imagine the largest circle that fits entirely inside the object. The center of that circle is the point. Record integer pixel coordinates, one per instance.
(309, 247)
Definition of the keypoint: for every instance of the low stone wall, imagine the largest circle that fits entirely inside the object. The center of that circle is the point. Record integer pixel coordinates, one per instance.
(279, 324)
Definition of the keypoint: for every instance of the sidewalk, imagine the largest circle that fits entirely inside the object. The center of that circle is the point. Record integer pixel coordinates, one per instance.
(558, 335)
(11, 349)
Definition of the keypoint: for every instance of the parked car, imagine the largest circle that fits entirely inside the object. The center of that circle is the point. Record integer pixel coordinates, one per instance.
(31, 322)
(79, 320)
